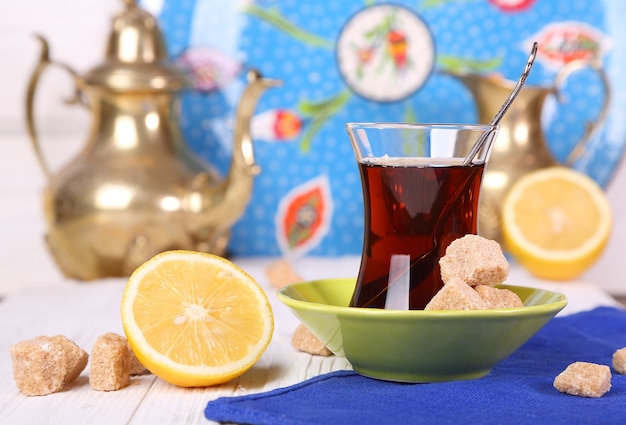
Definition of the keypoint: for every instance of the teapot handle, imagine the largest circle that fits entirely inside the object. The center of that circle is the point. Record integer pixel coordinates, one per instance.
(591, 126)
(44, 61)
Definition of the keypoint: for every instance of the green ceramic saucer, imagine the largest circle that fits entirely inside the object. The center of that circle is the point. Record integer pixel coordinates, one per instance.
(416, 345)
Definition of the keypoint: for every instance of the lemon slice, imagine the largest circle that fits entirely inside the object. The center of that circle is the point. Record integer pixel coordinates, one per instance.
(556, 222)
(195, 319)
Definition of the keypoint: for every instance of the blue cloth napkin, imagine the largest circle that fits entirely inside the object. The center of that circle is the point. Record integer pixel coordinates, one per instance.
(519, 390)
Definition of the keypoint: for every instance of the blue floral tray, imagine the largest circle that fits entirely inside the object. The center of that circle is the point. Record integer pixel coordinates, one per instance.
(349, 60)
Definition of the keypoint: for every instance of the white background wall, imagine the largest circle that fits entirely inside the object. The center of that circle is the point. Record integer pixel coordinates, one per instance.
(77, 31)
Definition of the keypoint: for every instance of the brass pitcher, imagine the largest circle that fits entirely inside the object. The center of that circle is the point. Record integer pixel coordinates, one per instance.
(521, 146)
(136, 189)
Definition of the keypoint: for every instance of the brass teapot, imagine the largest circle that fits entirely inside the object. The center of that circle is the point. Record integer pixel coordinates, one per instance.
(521, 146)
(136, 189)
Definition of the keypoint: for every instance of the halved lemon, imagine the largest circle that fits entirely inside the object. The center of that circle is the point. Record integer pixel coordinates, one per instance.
(195, 319)
(556, 222)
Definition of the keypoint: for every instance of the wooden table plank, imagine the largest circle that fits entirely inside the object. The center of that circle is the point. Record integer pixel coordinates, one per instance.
(83, 311)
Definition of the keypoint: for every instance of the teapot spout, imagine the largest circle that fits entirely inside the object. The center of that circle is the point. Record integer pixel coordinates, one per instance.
(225, 203)
(243, 167)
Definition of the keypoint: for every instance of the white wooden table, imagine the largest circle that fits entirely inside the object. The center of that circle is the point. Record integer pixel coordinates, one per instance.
(83, 311)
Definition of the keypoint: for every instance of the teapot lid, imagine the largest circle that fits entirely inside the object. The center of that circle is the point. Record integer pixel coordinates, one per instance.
(136, 56)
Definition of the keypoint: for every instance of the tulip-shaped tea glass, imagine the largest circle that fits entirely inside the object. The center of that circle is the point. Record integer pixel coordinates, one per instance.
(418, 197)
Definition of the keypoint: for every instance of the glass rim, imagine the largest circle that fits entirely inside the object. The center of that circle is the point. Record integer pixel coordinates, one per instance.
(420, 126)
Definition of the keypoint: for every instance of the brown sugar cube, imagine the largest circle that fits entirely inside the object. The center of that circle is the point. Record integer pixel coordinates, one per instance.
(109, 363)
(456, 295)
(584, 379)
(498, 297)
(304, 340)
(75, 358)
(39, 366)
(281, 273)
(619, 361)
(475, 260)
(134, 365)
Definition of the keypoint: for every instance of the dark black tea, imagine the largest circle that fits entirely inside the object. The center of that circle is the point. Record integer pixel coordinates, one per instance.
(404, 198)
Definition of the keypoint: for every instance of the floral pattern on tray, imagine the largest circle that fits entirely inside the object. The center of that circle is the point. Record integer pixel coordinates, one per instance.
(350, 60)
